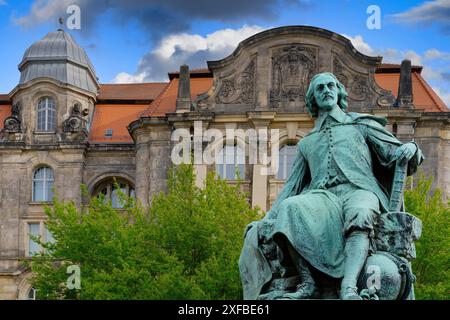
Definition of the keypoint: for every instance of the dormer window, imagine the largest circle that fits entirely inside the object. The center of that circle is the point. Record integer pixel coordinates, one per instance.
(46, 114)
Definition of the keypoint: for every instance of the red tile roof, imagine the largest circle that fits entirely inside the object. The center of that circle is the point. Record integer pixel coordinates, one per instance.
(423, 96)
(166, 101)
(115, 117)
(131, 91)
(5, 111)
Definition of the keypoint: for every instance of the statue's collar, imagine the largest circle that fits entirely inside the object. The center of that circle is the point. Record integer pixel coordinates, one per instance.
(336, 113)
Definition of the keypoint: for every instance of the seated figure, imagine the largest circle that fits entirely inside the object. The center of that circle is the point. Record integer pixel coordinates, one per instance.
(337, 226)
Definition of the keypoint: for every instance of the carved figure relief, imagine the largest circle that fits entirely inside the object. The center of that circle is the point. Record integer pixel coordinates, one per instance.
(12, 123)
(75, 122)
(238, 89)
(358, 85)
(292, 69)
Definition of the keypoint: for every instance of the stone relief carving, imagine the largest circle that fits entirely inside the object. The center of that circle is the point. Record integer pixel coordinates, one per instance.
(74, 126)
(292, 69)
(238, 89)
(359, 88)
(12, 124)
(358, 85)
(75, 122)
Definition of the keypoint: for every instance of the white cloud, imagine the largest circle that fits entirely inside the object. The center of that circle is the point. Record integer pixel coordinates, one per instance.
(360, 45)
(191, 49)
(430, 74)
(427, 13)
(445, 95)
(185, 42)
(219, 41)
(389, 55)
(415, 58)
(124, 77)
(42, 11)
(436, 54)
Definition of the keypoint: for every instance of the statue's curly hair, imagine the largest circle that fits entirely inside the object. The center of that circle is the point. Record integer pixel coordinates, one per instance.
(311, 104)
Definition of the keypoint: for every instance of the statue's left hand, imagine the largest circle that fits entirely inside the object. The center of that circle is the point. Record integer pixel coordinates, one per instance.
(405, 152)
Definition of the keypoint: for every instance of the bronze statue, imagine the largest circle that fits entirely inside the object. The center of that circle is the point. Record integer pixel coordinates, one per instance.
(337, 225)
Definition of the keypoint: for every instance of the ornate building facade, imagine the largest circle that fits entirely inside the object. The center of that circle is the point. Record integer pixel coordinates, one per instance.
(60, 128)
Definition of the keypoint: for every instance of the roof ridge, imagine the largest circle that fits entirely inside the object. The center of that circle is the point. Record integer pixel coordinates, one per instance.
(159, 99)
(147, 112)
(431, 93)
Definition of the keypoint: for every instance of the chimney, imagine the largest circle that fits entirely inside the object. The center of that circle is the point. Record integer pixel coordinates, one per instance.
(184, 90)
(405, 95)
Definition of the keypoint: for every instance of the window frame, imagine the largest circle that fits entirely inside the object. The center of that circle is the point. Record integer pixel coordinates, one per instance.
(33, 291)
(108, 183)
(49, 115)
(44, 181)
(43, 233)
(282, 163)
(221, 168)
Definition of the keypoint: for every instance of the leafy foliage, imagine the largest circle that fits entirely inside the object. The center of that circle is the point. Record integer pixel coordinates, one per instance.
(186, 246)
(433, 259)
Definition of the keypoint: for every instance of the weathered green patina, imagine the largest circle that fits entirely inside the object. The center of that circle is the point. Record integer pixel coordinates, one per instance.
(337, 216)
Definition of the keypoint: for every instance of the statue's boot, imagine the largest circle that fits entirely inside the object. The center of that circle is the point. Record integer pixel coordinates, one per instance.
(356, 251)
(307, 288)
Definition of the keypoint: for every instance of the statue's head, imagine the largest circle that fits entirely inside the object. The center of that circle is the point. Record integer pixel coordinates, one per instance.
(324, 93)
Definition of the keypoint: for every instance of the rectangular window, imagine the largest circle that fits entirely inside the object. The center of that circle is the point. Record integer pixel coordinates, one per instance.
(33, 246)
(39, 191)
(49, 236)
(49, 191)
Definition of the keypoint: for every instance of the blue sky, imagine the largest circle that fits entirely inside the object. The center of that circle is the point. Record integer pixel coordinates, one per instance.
(135, 41)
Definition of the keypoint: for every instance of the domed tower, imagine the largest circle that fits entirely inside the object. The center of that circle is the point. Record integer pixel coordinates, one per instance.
(59, 57)
(55, 97)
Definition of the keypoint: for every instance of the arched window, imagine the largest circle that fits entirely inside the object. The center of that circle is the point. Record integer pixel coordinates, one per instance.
(230, 163)
(42, 184)
(31, 295)
(46, 114)
(285, 161)
(110, 189)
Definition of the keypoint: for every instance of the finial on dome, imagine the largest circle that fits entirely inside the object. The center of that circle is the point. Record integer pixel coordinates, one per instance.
(61, 23)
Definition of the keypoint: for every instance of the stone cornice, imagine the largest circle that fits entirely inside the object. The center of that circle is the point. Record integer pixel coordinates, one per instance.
(64, 86)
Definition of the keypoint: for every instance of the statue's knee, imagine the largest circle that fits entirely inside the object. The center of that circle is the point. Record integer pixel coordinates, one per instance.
(288, 204)
(362, 220)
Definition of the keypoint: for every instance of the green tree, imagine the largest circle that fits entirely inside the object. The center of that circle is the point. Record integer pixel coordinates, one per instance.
(433, 259)
(186, 246)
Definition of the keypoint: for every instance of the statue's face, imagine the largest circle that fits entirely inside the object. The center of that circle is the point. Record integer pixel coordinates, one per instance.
(325, 92)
